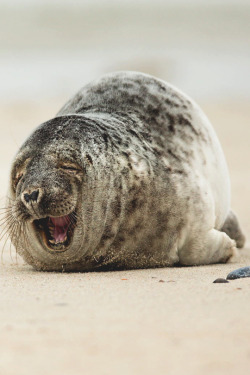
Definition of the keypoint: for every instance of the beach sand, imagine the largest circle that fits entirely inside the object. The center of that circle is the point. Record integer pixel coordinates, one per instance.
(155, 321)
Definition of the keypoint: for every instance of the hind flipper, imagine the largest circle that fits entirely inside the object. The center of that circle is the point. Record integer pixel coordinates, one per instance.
(232, 228)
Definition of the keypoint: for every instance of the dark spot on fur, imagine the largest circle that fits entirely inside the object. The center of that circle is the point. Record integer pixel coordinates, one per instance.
(171, 128)
(107, 234)
(183, 121)
(118, 183)
(89, 158)
(99, 90)
(178, 171)
(171, 103)
(120, 239)
(170, 152)
(171, 121)
(153, 112)
(105, 137)
(159, 152)
(131, 131)
(133, 204)
(168, 169)
(117, 139)
(125, 171)
(116, 207)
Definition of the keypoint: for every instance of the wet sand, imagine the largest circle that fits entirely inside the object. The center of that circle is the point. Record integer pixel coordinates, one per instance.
(128, 322)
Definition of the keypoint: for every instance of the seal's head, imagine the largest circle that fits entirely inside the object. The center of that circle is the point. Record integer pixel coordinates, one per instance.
(48, 206)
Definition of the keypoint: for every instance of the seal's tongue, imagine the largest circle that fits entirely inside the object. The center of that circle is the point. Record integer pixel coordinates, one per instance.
(61, 225)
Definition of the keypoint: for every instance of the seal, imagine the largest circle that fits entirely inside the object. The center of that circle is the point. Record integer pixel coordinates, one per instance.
(129, 174)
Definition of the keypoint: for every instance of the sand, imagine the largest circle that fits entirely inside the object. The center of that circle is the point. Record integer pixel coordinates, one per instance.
(128, 322)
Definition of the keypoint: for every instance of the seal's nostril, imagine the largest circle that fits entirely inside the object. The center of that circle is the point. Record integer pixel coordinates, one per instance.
(27, 197)
(31, 197)
(34, 195)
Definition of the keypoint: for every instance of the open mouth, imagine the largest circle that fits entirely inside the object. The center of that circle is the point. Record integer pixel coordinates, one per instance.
(56, 232)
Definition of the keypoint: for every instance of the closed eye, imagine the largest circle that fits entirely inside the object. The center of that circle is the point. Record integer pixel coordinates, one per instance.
(69, 168)
(73, 169)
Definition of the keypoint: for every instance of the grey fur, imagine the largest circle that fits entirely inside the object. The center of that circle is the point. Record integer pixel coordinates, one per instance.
(146, 190)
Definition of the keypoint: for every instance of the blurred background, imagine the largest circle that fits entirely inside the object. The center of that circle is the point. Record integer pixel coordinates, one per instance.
(49, 49)
(96, 323)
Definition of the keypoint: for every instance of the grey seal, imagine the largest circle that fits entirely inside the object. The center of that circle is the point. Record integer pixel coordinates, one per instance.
(129, 174)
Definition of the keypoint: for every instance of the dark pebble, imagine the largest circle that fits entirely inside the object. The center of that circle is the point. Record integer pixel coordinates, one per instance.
(161, 281)
(220, 280)
(240, 272)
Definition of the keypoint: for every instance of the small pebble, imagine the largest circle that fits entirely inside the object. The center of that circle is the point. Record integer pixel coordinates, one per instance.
(161, 281)
(220, 280)
(240, 272)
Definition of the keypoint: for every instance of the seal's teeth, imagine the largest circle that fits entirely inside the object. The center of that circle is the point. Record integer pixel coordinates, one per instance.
(65, 238)
(54, 242)
(51, 232)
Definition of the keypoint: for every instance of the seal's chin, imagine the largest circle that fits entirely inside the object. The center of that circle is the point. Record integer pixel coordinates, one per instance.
(56, 232)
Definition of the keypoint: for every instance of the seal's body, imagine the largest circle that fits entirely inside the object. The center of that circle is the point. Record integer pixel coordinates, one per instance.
(129, 174)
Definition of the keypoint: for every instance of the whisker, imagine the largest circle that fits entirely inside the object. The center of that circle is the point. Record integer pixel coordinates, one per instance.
(6, 229)
(20, 231)
(10, 246)
(10, 230)
(25, 235)
(8, 208)
(20, 234)
(6, 220)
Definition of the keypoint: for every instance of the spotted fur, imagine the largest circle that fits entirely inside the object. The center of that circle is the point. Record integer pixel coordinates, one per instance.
(152, 189)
